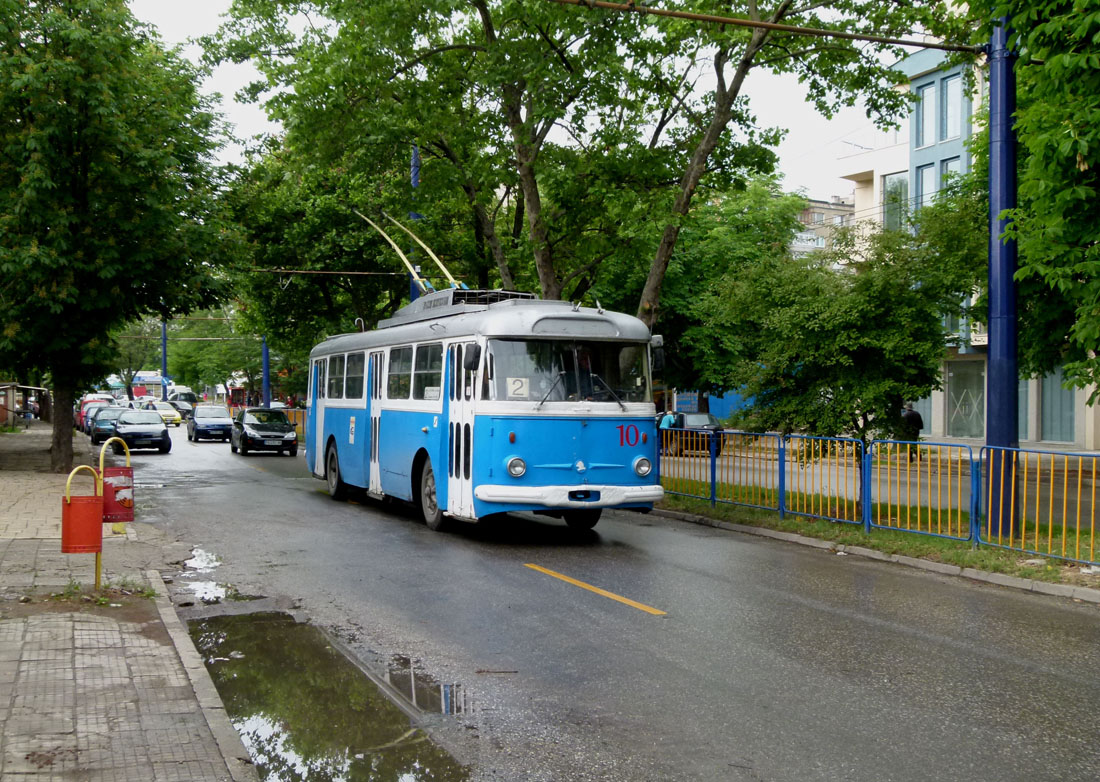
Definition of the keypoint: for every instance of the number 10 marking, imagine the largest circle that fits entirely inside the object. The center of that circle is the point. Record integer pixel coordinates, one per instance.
(628, 435)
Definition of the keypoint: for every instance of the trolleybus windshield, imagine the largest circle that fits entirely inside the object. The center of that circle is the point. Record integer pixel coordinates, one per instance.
(563, 370)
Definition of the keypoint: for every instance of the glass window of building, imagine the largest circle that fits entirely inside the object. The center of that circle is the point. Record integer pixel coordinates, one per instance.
(1056, 409)
(895, 199)
(949, 168)
(926, 185)
(966, 399)
(952, 108)
(926, 115)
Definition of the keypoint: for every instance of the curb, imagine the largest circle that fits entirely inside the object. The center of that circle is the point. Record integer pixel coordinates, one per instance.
(1084, 594)
(237, 760)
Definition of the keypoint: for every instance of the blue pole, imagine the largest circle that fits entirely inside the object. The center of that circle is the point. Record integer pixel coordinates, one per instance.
(1002, 430)
(164, 361)
(267, 375)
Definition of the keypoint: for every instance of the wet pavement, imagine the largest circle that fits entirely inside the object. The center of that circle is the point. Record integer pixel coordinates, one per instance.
(771, 661)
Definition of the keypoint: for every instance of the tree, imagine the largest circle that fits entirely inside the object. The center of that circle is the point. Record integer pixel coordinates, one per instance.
(833, 343)
(107, 207)
(575, 137)
(1055, 225)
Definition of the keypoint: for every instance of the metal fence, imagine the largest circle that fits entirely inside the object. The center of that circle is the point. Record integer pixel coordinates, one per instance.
(1047, 507)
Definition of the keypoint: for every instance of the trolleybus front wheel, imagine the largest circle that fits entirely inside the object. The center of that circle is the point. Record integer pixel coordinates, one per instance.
(582, 519)
(429, 500)
(337, 489)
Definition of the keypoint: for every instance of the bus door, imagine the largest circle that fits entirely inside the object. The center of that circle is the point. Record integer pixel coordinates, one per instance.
(320, 378)
(460, 432)
(374, 410)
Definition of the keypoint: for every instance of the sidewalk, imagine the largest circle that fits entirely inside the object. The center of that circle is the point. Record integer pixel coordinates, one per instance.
(96, 687)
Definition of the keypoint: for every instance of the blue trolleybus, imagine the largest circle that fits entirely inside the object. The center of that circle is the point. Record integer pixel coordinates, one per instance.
(472, 403)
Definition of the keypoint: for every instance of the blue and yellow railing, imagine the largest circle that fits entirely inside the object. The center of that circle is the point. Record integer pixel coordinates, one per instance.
(1047, 505)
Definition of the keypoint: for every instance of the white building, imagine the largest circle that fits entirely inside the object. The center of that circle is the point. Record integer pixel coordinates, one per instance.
(894, 172)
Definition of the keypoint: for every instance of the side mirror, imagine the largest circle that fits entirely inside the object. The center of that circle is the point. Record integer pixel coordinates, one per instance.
(471, 359)
(658, 359)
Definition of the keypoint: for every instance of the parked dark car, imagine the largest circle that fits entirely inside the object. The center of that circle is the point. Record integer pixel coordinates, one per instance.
(263, 429)
(103, 424)
(87, 410)
(185, 409)
(142, 429)
(690, 432)
(209, 421)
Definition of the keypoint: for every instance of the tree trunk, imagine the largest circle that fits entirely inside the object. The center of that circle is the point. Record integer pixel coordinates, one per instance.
(45, 407)
(61, 446)
(724, 100)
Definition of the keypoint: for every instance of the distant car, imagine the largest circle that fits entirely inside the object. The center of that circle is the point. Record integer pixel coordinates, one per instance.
(182, 407)
(691, 432)
(142, 429)
(263, 429)
(277, 406)
(184, 396)
(103, 424)
(170, 414)
(88, 407)
(209, 421)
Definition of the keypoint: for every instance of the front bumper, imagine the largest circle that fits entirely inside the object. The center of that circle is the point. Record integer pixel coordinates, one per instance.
(558, 496)
(268, 443)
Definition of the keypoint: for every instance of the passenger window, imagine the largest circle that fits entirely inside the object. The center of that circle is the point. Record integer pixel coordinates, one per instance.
(336, 377)
(399, 380)
(353, 385)
(428, 375)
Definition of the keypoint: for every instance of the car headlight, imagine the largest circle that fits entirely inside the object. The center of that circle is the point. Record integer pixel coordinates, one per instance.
(290, 436)
(249, 433)
(516, 467)
(642, 466)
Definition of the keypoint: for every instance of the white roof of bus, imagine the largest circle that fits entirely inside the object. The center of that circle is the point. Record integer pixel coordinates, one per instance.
(515, 318)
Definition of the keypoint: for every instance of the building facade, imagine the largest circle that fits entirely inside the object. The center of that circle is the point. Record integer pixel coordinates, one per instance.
(893, 176)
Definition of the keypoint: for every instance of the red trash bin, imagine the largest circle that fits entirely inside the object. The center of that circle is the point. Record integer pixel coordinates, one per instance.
(82, 518)
(118, 487)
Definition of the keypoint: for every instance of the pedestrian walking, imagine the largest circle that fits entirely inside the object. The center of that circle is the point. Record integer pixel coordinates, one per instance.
(911, 425)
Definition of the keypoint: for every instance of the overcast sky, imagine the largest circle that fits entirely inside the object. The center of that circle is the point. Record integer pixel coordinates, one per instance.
(808, 155)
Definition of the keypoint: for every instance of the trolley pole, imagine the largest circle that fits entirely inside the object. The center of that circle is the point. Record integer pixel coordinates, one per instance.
(414, 180)
(1002, 430)
(267, 374)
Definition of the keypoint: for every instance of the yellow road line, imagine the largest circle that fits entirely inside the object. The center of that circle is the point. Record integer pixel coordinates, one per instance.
(597, 590)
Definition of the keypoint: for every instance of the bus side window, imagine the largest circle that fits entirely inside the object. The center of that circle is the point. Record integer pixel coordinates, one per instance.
(321, 375)
(399, 380)
(428, 372)
(336, 377)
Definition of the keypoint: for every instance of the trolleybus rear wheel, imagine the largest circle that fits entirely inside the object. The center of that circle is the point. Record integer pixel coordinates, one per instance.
(337, 489)
(586, 518)
(429, 500)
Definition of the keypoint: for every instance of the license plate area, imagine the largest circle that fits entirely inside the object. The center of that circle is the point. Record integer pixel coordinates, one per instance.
(584, 495)
(273, 442)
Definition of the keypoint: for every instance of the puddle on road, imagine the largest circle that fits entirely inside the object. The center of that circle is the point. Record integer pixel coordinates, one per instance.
(305, 712)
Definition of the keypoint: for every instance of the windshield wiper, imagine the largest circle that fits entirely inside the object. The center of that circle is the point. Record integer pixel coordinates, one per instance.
(550, 390)
(613, 394)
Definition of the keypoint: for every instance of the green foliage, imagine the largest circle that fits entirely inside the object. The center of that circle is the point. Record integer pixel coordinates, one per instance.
(107, 207)
(1058, 123)
(834, 343)
(562, 146)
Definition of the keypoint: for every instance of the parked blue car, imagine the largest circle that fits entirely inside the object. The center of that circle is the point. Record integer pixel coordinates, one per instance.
(104, 423)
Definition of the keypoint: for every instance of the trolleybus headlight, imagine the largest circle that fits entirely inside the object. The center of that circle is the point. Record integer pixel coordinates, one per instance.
(642, 466)
(516, 467)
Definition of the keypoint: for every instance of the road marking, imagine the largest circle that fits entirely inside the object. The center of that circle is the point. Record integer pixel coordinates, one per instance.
(597, 590)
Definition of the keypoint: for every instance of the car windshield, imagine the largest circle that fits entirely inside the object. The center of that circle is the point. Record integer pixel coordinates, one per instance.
(561, 370)
(265, 417)
(165, 406)
(108, 414)
(140, 417)
(205, 413)
(699, 419)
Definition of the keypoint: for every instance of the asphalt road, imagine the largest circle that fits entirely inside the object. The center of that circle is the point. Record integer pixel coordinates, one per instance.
(770, 662)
